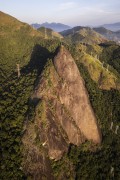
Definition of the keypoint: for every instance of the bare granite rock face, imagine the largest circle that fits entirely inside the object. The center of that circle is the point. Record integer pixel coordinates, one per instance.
(74, 96)
(63, 115)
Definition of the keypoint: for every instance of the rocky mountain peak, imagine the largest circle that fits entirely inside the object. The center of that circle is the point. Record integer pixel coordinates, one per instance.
(74, 96)
(63, 115)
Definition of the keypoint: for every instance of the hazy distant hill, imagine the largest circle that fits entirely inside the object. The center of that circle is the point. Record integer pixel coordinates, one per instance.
(49, 33)
(112, 27)
(83, 34)
(111, 35)
(55, 26)
(103, 30)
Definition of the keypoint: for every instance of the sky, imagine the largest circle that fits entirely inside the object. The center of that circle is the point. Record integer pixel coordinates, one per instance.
(70, 12)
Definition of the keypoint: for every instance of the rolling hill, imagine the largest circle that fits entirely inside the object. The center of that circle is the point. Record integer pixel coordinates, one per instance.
(84, 35)
(49, 33)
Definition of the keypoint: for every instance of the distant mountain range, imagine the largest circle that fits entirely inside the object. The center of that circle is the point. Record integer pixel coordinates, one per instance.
(112, 27)
(58, 27)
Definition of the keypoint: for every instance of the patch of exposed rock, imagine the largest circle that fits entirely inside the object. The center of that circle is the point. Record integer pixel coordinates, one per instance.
(63, 115)
(74, 96)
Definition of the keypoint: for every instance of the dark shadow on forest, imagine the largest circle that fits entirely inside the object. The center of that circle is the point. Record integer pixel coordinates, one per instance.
(38, 60)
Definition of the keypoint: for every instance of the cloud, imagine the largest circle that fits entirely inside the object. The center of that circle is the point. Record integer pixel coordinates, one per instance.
(67, 6)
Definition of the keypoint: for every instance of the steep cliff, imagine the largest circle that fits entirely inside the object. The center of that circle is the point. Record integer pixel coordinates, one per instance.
(63, 115)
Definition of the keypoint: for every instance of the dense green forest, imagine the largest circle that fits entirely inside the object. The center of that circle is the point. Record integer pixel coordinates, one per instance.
(89, 161)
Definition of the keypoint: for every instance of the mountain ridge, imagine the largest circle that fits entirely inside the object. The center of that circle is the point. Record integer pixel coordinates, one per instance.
(54, 26)
(83, 34)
